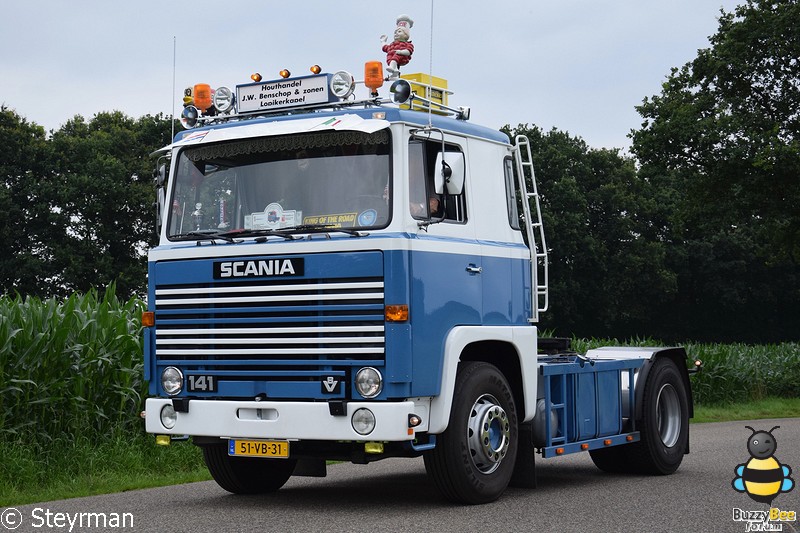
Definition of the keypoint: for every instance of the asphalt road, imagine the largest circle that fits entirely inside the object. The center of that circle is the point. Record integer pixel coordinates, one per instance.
(395, 495)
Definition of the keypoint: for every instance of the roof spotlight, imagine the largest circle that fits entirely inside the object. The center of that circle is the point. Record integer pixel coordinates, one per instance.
(401, 91)
(223, 99)
(189, 116)
(342, 84)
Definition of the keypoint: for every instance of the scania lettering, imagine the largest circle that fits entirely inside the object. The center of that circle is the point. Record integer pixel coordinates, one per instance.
(362, 279)
(272, 267)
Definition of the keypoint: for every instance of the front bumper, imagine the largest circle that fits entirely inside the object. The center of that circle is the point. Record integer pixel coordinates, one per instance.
(288, 420)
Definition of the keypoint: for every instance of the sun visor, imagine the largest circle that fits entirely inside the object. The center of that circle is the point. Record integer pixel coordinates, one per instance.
(278, 127)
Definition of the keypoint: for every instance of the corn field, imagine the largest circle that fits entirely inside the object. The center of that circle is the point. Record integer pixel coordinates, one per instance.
(73, 368)
(732, 373)
(70, 368)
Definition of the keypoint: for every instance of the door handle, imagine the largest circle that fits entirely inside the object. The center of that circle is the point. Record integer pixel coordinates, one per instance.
(472, 269)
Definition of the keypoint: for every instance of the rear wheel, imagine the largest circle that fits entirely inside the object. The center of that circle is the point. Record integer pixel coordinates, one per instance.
(474, 458)
(663, 424)
(246, 475)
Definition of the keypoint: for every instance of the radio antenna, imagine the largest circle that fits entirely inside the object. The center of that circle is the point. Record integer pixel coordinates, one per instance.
(174, 47)
(430, 70)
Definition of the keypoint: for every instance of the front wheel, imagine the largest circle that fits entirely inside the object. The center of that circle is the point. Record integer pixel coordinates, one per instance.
(246, 475)
(474, 458)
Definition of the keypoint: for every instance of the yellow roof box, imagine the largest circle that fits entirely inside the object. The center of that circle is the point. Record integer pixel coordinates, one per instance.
(428, 87)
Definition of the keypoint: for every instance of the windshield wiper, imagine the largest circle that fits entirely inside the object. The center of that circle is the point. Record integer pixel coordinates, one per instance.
(205, 235)
(265, 232)
(285, 233)
(320, 228)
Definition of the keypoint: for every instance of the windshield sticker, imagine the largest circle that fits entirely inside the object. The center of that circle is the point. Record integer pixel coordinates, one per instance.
(273, 217)
(343, 220)
(368, 217)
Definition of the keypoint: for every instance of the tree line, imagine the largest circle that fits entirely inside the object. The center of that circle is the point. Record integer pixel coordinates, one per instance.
(694, 235)
(76, 208)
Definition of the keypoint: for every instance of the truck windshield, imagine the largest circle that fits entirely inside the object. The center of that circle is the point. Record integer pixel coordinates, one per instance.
(331, 179)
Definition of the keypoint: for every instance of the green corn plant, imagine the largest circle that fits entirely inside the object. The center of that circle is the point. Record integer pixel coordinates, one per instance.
(71, 367)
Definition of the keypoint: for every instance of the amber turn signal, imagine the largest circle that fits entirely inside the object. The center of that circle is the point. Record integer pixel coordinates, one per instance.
(396, 313)
(148, 319)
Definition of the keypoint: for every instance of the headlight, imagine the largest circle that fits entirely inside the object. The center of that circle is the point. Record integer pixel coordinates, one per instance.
(168, 416)
(172, 380)
(363, 421)
(369, 382)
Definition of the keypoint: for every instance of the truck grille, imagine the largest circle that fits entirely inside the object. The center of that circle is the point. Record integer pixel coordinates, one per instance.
(270, 324)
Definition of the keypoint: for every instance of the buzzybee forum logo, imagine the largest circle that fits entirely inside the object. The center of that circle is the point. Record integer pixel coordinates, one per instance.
(763, 477)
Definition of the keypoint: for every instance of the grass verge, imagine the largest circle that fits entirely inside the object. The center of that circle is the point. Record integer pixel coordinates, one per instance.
(767, 408)
(60, 470)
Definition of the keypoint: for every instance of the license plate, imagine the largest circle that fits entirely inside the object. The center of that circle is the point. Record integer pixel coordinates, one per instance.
(259, 448)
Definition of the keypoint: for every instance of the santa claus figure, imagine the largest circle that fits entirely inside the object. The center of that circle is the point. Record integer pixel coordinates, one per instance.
(398, 52)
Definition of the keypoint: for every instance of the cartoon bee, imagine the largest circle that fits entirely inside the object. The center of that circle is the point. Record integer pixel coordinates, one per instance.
(762, 477)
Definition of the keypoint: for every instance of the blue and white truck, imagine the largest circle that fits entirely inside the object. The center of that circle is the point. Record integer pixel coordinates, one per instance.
(352, 279)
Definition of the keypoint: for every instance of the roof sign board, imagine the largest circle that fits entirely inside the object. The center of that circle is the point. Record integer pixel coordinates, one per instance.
(284, 93)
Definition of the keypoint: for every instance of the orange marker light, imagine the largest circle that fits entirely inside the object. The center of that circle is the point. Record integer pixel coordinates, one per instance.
(629, 438)
(202, 96)
(316, 69)
(256, 77)
(584, 446)
(284, 73)
(373, 75)
(559, 451)
(396, 313)
(148, 319)
(607, 442)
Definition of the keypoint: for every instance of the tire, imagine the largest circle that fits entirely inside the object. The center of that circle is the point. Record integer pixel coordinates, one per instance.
(663, 424)
(473, 460)
(613, 460)
(246, 475)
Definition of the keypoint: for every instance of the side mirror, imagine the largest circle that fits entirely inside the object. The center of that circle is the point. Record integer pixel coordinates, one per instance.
(161, 175)
(449, 173)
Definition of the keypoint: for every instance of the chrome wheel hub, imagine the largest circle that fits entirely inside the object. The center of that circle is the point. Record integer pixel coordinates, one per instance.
(488, 434)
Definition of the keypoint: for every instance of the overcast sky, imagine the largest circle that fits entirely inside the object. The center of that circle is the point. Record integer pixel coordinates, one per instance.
(580, 66)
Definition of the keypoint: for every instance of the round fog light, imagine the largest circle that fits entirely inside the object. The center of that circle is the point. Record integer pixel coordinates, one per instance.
(369, 382)
(168, 416)
(363, 421)
(172, 380)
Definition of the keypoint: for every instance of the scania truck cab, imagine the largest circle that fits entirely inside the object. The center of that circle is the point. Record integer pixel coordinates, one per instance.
(355, 279)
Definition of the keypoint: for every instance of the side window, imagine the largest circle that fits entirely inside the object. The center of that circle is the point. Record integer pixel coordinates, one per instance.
(511, 193)
(425, 202)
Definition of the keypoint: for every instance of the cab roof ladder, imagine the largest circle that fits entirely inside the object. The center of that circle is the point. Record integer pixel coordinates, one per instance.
(533, 227)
